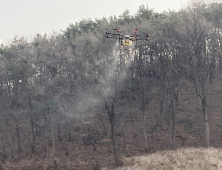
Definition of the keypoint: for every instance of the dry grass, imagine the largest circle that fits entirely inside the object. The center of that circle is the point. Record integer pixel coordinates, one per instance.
(181, 159)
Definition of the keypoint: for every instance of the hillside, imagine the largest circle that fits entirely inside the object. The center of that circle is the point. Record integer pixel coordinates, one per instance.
(82, 100)
(189, 134)
(185, 159)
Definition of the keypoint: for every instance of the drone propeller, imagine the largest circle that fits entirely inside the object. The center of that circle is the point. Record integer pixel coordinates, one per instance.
(147, 35)
(108, 36)
(119, 38)
(113, 33)
(143, 39)
(116, 29)
(144, 35)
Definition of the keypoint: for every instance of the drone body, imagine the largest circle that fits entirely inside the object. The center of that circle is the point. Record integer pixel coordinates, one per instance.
(126, 41)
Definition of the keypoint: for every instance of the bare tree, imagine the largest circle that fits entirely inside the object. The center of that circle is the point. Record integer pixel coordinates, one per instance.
(197, 35)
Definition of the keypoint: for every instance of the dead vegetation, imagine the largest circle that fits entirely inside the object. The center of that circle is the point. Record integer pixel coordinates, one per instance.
(184, 158)
(189, 136)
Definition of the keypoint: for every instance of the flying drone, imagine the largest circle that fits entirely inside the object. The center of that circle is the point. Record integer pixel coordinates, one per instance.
(126, 41)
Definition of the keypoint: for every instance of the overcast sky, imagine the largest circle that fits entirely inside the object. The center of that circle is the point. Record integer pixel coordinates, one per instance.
(29, 17)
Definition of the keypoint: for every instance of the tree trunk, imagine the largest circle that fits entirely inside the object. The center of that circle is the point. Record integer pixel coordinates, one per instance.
(52, 131)
(143, 105)
(170, 134)
(124, 138)
(47, 142)
(18, 136)
(114, 144)
(204, 110)
(174, 131)
(32, 123)
(33, 135)
(145, 132)
(111, 113)
(221, 93)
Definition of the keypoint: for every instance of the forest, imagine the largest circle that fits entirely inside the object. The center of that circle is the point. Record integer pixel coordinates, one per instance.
(72, 100)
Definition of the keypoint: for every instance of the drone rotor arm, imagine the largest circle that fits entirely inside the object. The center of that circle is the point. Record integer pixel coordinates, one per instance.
(143, 35)
(147, 35)
(118, 38)
(142, 39)
(113, 33)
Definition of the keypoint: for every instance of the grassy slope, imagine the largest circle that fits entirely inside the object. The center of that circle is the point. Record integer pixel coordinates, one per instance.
(184, 158)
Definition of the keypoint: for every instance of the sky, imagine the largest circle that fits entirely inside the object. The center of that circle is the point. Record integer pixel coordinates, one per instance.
(29, 17)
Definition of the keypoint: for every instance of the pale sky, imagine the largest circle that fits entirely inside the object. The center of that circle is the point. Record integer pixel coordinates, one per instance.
(29, 17)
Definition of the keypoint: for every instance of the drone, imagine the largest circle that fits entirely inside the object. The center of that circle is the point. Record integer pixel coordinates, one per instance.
(126, 41)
